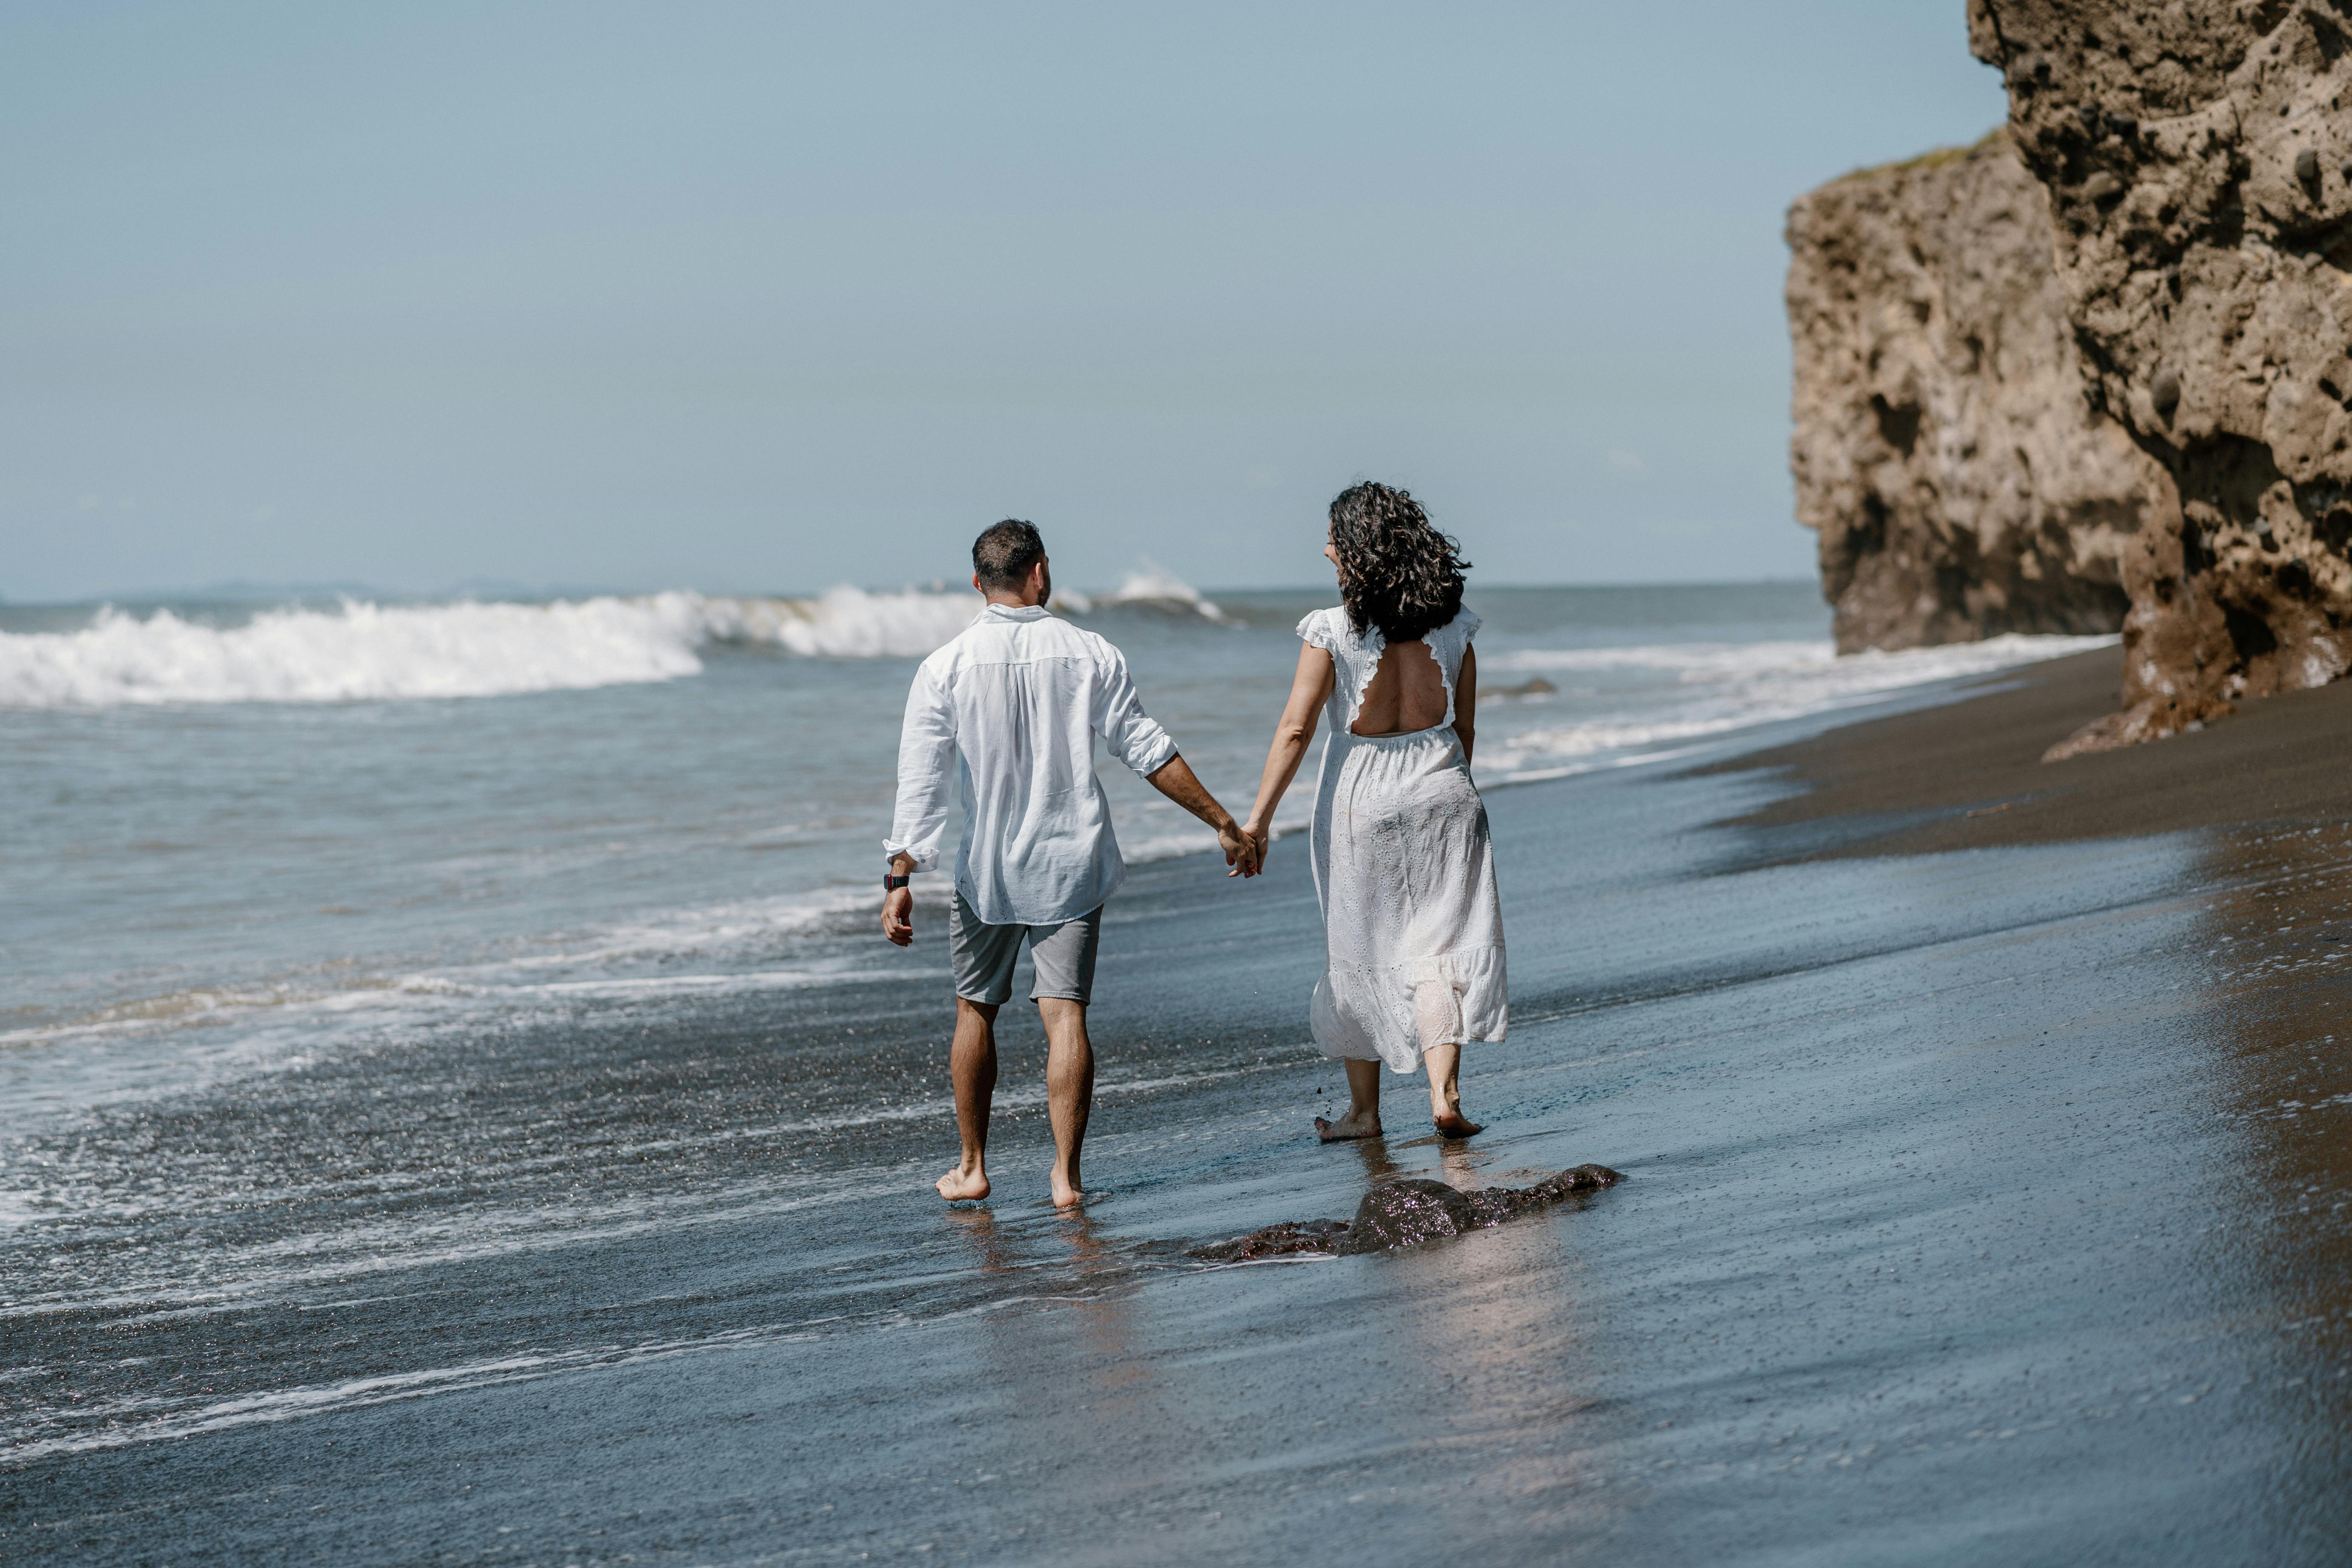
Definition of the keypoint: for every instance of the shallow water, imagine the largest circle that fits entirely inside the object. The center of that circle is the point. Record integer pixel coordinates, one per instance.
(1984, 1207)
(490, 1131)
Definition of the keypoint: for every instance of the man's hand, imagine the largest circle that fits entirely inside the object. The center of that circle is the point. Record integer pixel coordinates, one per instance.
(1243, 853)
(899, 904)
(1174, 779)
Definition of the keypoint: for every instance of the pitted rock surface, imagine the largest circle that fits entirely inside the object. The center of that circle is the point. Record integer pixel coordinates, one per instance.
(2196, 156)
(2194, 161)
(1945, 447)
(1409, 1212)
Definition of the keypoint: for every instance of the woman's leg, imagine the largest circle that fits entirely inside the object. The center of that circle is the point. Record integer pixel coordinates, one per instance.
(1363, 1118)
(1445, 1065)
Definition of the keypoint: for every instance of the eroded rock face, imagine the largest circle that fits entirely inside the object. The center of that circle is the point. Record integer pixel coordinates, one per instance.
(1409, 1212)
(1947, 448)
(2198, 157)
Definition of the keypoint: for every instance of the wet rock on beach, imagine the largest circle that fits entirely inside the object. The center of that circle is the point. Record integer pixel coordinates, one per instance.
(1408, 1212)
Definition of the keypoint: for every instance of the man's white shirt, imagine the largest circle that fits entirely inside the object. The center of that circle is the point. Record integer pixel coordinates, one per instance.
(1017, 700)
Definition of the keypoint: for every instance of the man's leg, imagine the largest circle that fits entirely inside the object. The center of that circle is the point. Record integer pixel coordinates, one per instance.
(1069, 1089)
(981, 956)
(972, 1063)
(1065, 959)
(1363, 1118)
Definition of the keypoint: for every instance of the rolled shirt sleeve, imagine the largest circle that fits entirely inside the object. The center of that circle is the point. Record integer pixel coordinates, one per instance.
(927, 754)
(1131, 734)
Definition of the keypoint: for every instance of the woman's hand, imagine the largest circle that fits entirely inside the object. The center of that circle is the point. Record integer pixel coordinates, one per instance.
(1310, 690)
(1242, 851)
(1261, 835)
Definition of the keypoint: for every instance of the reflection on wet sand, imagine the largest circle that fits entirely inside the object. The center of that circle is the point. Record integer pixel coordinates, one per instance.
(1373, 1154)
(2282, 996)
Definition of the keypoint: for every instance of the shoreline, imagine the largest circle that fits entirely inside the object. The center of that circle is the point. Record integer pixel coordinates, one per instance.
(1967, 774)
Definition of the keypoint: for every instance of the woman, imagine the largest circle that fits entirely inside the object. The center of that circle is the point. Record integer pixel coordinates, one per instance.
(1413, 931)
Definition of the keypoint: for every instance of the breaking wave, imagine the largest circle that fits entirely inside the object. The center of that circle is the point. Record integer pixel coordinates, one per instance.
(361, 651)
(1151, 584)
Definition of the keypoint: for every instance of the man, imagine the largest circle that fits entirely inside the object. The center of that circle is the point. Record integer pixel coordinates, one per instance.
(1021, 695)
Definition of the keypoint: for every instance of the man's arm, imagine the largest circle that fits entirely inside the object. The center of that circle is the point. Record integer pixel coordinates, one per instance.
(1134, 739)
(898, 903)
(1174, 779)
(925, 758)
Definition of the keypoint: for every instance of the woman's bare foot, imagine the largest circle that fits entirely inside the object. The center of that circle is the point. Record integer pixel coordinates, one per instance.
(1068, 1193)
(1453, 1124)
(1355, 1124)
(961, 1185)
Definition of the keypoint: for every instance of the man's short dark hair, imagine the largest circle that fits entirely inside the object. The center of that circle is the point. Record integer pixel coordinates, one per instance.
(1002, 556)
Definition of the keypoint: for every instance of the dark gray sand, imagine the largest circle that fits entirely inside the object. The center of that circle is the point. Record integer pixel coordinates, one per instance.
(1980, 1206)
(1971, 775)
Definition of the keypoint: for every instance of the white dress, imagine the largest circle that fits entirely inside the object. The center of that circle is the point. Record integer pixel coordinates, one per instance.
(1412, 928)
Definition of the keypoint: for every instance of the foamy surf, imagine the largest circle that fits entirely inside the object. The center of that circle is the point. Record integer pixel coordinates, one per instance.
(1150, 584)
(368, 652)
(1700, 690)
(361, 651)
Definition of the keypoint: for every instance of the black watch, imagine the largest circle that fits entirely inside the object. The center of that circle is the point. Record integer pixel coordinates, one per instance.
(891, 883)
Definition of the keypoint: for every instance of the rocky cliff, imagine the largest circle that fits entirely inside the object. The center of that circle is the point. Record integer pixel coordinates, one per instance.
(2194, 164)
(2198, 158)
(1947, 446)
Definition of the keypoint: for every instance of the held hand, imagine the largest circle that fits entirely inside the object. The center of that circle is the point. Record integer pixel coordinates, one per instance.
(1261, 835)
(898, 915)
(1242, 851)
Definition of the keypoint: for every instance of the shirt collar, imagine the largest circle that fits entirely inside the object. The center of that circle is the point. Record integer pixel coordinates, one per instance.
(1020, 611)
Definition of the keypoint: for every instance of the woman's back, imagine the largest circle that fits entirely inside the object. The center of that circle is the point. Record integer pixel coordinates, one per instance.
(1380, 688)
(1407, 692)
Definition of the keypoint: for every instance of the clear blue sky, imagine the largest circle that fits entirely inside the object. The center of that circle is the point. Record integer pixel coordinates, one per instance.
(771, 296)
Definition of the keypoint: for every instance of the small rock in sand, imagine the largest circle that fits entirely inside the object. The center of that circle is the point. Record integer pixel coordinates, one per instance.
(1408, 1212)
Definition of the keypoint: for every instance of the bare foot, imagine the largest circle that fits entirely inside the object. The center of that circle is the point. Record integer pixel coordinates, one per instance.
(1453, 1124)
(960, 1185)
(1355, 1124)
(1067, 1195)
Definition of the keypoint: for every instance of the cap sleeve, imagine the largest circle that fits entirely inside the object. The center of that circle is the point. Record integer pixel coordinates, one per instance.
(1316, 630)
(1466, 624)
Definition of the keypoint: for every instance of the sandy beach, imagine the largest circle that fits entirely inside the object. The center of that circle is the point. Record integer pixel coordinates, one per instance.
(1971, 775)
(1983, 1204)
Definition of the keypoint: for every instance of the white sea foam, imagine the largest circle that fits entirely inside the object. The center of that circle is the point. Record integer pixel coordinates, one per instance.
(1149, 584)
(363, 651)
(842, 623)
(1703, 689)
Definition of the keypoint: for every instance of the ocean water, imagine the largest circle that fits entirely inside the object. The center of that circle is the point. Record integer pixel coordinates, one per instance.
(231, 821)
(489, 1129)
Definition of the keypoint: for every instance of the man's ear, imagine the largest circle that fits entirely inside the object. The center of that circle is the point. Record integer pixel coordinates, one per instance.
(975, 584)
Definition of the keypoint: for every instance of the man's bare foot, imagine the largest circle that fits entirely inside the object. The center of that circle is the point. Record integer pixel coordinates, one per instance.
(1355, 1124)
(960, 1185)
(1067, 1195)
(1453, 1124)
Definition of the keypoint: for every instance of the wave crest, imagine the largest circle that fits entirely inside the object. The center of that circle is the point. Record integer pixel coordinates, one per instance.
(368, 652)
(1149, 583)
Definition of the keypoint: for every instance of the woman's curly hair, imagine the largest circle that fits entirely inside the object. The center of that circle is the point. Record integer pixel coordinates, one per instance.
(1396, 570)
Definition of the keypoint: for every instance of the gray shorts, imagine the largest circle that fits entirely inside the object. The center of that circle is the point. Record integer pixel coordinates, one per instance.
(983, 955)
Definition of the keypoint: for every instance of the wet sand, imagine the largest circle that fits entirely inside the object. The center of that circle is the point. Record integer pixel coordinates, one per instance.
(1979, 1205)
(1970, 774)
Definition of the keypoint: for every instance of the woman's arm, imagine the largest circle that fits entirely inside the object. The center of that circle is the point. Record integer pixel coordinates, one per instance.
(1465, 703)
(1310, 690)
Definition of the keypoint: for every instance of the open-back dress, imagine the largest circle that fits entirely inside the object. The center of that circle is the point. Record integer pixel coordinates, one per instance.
(1412, 928)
